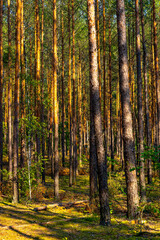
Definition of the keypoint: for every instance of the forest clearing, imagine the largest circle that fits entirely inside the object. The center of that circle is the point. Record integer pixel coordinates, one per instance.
(79, 119)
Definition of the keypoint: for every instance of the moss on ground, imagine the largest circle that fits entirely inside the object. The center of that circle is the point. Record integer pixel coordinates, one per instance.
(79, 222)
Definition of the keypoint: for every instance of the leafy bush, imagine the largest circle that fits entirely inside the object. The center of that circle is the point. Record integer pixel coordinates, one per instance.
(152, 153)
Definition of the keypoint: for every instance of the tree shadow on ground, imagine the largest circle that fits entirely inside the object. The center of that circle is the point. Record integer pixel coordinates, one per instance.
(48, 224)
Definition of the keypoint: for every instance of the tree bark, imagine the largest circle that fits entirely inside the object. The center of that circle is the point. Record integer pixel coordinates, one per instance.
(42, 95)
(9, 96)
(147, 130)
(37, 87)
(22, 86)
(94, 84)
(98, 47)
(80, 109)
(63, 150)
(16, 105)
(1, 91)
(104, 81)
(74, 97)
(140, 108)
(129, 152)
(156, 62)
(56, 157)
(70, 101)
(110, 98)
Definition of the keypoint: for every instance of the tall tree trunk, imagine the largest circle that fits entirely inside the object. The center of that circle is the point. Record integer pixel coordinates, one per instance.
(156, 71)
(118, 118)
(140, 110)
(95, 98)
(70, 100)
(38, 67)
(110, 97)
(9, 96)
(42, 95)
(84, 114)
(74, 96)
(16, 104)
(98, 47)
(147, 130)
(1, 91)
(129, 153)
(80, 109)
(104, 80)
(56, 157)
(93, 156)
(63, 150)
(22, 104)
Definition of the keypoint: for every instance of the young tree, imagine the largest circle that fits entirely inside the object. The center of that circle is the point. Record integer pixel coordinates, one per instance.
(95, 98)
(129, 152)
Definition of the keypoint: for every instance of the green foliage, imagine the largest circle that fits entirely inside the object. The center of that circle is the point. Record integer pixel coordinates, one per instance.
(152, 153)
(23, 176)
(6, 186)
(153, 208)
(112, 161)
(84, 159)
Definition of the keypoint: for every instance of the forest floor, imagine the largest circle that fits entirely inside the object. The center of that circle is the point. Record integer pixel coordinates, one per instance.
(79, 221)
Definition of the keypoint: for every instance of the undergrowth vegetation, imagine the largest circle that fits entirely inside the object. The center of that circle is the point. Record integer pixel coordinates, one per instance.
(80, 221)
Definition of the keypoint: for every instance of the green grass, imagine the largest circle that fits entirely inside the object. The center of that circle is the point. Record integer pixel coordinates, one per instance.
(78, 222)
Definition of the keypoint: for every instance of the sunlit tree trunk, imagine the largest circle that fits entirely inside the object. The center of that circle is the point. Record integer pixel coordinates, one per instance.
(84, 114)
(1, 91)
(16, 104)
(37, 87)
(63, 150)
(95, 99)
(118, 118)
(80, 109)
(9, 96)
(153, 84)
(42, 94)
(129, 153)
(56, 157)
(74, 96)
(70, 100)
(140, 109)
(22, 86)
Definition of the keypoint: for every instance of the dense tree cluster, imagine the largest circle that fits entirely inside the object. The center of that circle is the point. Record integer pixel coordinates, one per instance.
(80, 80)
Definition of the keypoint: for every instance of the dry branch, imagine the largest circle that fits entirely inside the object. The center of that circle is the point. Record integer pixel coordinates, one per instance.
(70, 204)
